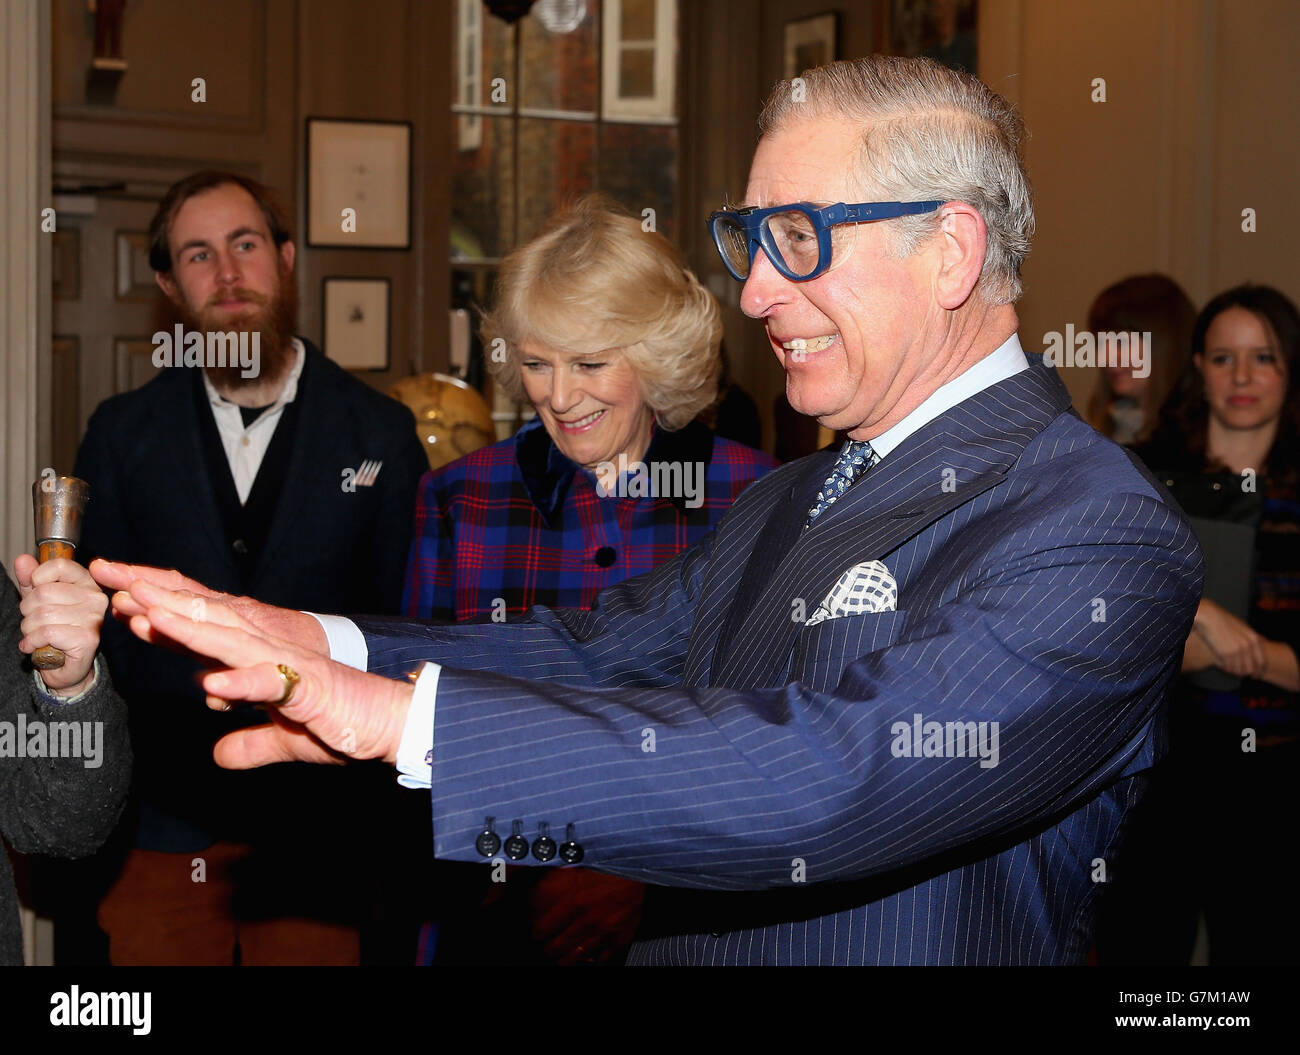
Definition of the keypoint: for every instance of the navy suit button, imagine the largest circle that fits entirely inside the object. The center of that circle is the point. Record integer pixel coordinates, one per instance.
(605, 556)
(571, 853)
(544, 845)
(240, 547)
(517, 845)
(488, 841)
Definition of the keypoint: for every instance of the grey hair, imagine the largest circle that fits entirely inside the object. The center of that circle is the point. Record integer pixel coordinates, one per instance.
(928, 133)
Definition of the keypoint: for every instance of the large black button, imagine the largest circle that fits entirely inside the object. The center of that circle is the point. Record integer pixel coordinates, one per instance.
(544, 845)
(517, 845)
(240, 547)
(571, 852)
(605, 556)
(488, 841)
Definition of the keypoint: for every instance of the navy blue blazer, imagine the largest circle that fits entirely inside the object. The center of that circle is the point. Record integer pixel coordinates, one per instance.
(153, 501)
(698, 736)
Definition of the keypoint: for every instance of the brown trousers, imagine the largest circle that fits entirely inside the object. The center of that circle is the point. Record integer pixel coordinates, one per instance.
(157, 912)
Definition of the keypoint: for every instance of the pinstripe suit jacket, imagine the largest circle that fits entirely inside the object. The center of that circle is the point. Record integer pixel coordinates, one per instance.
(701, 738)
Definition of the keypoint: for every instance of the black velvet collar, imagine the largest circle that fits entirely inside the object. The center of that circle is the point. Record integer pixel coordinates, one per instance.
(548, 474)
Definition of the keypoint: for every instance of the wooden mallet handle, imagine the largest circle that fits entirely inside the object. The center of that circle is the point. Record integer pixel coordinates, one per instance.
(57, 504)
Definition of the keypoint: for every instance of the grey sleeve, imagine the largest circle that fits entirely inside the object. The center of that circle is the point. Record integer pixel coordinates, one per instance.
(64, 769)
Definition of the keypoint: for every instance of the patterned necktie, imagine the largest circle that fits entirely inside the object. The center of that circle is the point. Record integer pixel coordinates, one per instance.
(855, 458)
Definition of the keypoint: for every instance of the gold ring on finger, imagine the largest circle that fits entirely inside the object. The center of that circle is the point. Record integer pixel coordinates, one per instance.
(290, 678)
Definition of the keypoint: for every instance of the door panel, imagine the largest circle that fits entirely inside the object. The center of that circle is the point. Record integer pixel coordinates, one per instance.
(106, 306)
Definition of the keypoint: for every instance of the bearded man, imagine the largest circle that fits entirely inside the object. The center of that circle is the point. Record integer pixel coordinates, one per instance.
(285, 478)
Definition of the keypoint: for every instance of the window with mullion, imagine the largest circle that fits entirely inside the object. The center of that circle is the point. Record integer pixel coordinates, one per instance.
(542, 116)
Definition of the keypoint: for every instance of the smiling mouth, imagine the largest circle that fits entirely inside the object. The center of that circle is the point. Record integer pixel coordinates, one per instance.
(799, 349)
(581, 424)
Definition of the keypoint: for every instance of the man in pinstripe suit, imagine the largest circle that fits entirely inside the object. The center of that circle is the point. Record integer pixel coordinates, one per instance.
(896, 707)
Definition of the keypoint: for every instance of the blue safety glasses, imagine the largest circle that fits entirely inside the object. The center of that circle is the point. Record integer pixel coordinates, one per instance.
(796, 238)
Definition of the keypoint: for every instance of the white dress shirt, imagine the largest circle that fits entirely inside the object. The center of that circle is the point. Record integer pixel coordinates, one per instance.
(246, 447)
(415, 753)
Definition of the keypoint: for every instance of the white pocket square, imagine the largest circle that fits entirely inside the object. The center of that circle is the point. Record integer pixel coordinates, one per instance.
(866, 587)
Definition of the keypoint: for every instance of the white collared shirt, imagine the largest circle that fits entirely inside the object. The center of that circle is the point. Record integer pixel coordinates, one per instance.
(246, 447)
(1007, 360)
(347, 643)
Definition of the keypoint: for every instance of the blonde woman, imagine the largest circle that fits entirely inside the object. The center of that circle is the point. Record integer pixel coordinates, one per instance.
(602, 328)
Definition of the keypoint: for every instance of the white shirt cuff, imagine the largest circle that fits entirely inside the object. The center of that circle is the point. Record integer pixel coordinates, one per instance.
(347, 642)
(415, 752)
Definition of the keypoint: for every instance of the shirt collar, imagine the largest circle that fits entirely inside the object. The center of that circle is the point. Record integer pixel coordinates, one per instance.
(1007, 360)
(548, 474)
(288, 393)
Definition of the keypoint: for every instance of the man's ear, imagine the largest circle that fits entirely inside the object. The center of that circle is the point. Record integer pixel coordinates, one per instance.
(962, 244)
(168, 286)
(287, 253)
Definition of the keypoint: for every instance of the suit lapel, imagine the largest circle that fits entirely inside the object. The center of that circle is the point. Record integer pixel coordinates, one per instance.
(946, 463)
(775, 541)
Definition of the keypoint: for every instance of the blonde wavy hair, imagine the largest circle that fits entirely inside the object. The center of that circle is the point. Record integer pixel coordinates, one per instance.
(593, 280)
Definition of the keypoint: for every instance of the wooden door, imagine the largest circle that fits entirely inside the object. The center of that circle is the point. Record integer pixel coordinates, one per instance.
(106, 309)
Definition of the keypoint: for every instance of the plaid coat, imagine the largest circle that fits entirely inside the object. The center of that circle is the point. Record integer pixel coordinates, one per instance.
(518, 524)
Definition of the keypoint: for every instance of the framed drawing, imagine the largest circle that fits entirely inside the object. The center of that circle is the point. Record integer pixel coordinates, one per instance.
(358, 184)
(810, 42)
(355, 322)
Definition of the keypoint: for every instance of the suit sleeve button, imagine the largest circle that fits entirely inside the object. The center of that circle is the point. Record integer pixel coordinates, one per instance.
(544, 845)
(517, 845)
(488, 841)
(571, 852)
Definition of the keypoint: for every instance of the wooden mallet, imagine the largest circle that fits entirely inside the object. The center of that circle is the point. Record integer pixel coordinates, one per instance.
(58, 503)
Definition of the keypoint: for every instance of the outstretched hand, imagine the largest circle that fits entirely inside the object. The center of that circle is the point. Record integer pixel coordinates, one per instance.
(333, 714)
(281, 622)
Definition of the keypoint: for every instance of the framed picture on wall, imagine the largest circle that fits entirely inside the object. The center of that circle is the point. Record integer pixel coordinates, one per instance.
(355, 314)
(358, 184)
(810, 42)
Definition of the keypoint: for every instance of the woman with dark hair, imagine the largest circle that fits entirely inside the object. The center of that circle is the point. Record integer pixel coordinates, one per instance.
(1124, 405)
(1226, 446)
